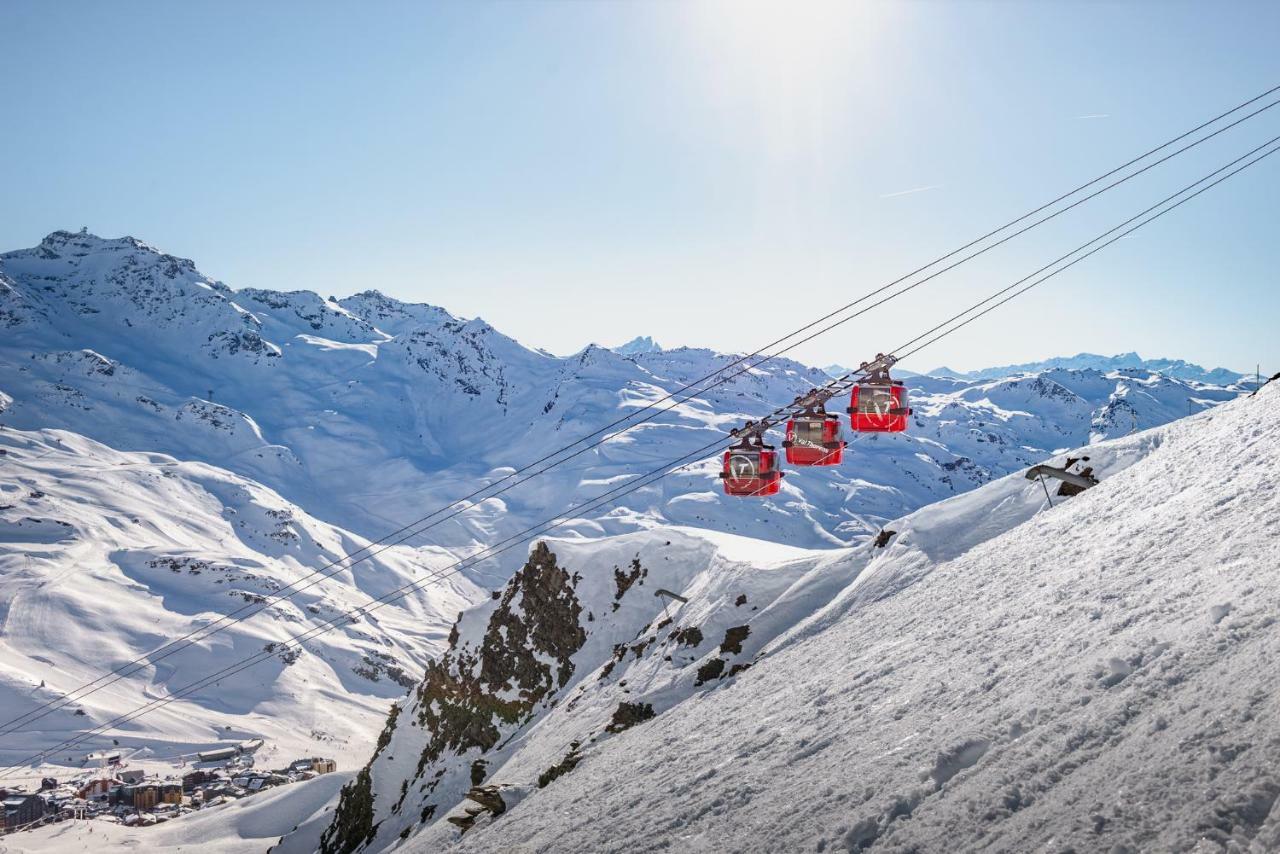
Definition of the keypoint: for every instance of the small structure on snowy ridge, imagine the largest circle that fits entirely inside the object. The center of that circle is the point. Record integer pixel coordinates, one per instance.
(1072, 483)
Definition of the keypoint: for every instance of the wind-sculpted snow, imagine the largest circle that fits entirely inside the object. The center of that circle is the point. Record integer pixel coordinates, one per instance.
(1000, 675)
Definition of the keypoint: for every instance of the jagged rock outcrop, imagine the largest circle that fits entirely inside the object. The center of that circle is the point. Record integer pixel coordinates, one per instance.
(537, 677)
(489, 682)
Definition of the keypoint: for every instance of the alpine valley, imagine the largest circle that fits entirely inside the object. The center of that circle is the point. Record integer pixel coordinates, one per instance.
(174, 451)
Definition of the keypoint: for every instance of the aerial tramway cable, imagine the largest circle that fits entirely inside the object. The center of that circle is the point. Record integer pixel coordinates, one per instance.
(836, 386)
(411, 529)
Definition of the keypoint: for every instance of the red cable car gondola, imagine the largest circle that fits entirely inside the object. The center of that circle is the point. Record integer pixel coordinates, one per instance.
(813, 438)
(751, 469)
(879, 403)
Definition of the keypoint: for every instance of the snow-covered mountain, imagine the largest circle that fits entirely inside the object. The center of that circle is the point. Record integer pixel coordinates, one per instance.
(175, 449)
(637, 346)
(1175, 368)
(994, 673)
(370, 412)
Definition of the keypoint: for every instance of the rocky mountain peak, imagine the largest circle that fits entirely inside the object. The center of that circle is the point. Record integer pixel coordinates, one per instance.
(636, 346)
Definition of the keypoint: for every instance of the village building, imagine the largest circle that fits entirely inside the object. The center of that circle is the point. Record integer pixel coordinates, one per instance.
(316, 764)
(192, 779)
(22, 809)
(142, 796)
(105, 758)
(93, 790)
(219, 755)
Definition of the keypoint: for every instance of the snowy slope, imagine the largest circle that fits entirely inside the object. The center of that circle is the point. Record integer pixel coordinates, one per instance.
(621, 653)
(1001, 676)
(107, 555)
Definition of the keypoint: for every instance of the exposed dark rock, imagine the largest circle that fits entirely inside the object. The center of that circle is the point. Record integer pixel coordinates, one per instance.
(1068, 489)
(375, 664)
(488, 797)
(353, 818)
(628, 715)
(740, 601)
(624, 580)
(689, 636)
(564, 766)
(733, 638)
(710, 671)
(469, 695)
(619, 653)
(639, 648)
(882, 539)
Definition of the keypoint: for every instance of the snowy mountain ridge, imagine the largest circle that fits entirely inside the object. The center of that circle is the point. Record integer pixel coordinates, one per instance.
(134, 348)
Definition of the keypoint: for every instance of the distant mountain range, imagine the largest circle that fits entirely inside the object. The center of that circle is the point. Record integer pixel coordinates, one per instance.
(1175, 368)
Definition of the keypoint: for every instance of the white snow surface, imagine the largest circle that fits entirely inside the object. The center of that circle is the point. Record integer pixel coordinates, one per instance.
(1003, 676)
(108, 555)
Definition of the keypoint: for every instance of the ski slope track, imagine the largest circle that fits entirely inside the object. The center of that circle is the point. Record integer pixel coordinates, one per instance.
(1001, 675)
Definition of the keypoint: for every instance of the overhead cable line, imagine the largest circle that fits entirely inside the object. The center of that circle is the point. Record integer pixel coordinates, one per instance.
(412, 529)
(836, 385)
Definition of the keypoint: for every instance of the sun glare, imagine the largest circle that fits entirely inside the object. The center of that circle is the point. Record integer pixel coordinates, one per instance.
(793, 59)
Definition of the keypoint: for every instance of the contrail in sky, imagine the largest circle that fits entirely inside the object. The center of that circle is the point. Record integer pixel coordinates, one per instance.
(908, 192)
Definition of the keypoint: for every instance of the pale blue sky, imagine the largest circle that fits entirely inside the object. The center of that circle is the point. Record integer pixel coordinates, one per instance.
(706, 173)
